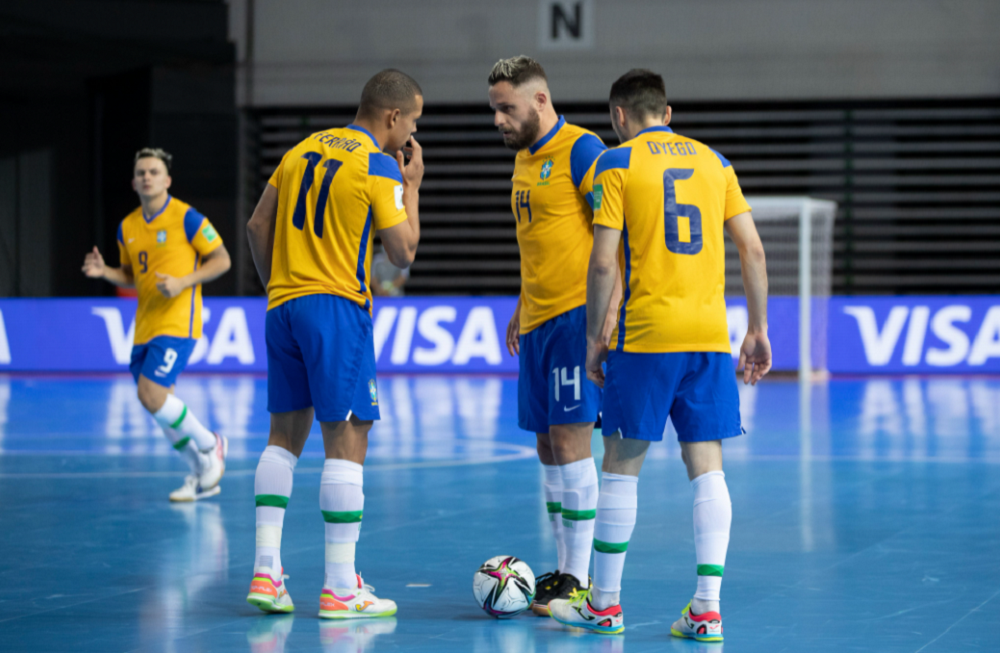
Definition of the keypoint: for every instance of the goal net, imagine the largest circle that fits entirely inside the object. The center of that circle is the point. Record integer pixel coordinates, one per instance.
(797, 233)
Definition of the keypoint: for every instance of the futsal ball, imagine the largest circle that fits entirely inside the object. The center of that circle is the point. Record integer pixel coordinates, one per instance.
(504, 586)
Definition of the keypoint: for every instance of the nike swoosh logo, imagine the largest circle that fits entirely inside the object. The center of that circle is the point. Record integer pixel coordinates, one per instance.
(566, 409)
(131, 239)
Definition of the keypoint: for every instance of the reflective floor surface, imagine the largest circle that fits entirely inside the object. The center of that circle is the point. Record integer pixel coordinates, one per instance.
(866, 518)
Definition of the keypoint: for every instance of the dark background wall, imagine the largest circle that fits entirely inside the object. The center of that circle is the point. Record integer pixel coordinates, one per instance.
(85, 84)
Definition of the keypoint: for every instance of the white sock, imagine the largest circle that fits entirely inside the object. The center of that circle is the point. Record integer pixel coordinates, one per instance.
(175, 415)
(553, 503)
(616, 509)
(579, 508)
(342, 501)
(195, 459)
(713, 514)
(272, 487)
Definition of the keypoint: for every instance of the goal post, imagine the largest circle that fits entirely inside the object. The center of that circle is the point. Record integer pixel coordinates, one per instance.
(797, 234)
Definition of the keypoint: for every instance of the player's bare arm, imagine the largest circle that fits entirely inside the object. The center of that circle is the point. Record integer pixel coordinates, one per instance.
(214, 265)
(602, 276)
(755, 353)
(616, 299)
(260, 232)
(401, 241)
(514, 329)
(95, 268)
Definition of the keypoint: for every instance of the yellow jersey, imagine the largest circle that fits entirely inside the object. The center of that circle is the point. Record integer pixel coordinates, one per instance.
(670, 196)
(173, 242)
(333, 189)
(550, 201)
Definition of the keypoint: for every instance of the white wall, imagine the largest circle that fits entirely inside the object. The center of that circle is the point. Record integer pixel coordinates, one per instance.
(316, 52)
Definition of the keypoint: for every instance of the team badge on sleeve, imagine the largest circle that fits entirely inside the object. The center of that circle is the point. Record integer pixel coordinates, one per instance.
(398, 192)
(373, 391)
(598, 194)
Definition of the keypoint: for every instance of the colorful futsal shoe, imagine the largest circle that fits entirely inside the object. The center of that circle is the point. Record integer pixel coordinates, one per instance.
(354, 603)
(705, 627)
(268, 594)
(212, 473)
(192, 490)
(578, 613)
(546, 588)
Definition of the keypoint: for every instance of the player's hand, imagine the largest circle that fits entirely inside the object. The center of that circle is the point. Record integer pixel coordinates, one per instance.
(93, 264)
(514, 332)
(597, 353)
(755, 357)
(413, 172)
(169, 286)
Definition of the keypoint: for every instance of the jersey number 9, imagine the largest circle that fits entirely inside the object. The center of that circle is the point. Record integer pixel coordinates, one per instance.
(299, 217)
(681, 222)
(143, 261)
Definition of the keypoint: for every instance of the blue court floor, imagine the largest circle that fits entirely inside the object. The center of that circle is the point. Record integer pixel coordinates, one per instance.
(866, 518)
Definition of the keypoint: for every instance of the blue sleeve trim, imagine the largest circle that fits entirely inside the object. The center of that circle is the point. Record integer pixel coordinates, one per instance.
(725, 161)
(121, 237)
(192, 220)
(585, 151)
(611, 159)
(383, 165)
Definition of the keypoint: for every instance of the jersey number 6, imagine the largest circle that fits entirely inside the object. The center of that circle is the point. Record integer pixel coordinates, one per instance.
(681, 222)
(299, 217)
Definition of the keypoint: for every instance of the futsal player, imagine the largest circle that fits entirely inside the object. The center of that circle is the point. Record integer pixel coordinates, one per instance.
(311, 239)
(167, 251)
(550, 199)
(661, 204)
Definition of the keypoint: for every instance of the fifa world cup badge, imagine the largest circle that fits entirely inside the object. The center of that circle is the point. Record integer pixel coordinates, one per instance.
(373, 391)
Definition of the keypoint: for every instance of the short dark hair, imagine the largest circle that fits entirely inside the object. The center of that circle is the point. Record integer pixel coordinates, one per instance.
(388, 90)
(517, 70)
(640, 93)
(155, 153)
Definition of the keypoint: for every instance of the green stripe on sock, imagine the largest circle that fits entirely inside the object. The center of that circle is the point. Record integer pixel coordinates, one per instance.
(183, 442)
(579, 515)
(180, 419)
(710, 570)
(341, 517)
(271, 500)
(553, 506)
(610, 547)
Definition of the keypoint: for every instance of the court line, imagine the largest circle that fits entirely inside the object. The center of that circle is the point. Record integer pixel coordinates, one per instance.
(975, 609)
(521, 453)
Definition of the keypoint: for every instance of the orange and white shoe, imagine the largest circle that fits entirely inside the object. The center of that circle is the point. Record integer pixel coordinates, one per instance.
(268, 594)
(705, 627)
(577, 612)
(354, 603)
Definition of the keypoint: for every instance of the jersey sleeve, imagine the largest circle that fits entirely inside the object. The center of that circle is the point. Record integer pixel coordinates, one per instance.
(582, 159)
(123, 257)
(735, 202)
(610, 174)
(200, 233)
(278, 173)
(386, 184)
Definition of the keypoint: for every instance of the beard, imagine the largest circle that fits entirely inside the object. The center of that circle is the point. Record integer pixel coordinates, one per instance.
(528, 134)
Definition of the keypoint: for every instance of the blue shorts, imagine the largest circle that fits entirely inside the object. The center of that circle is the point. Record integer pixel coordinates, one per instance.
(552, 385)
(697, 390)
(321, 353)
(161, 359)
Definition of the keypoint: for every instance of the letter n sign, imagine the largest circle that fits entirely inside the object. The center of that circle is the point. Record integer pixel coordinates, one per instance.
(566, 24)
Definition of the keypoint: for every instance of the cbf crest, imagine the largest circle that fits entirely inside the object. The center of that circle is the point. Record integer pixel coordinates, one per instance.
(161, 237)
(546, 169)
(373, 391)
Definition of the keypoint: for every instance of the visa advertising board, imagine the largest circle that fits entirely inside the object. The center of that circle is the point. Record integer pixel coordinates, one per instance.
(864, 335)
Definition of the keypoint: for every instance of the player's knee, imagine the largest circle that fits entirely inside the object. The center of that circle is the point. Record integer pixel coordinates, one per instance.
(151, 396)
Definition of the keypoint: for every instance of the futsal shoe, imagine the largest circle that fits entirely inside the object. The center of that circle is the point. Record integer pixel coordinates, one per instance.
(546, 588)
(269, 595)
(354, 603)
(193, 491)
(577, 612)
(213, 470)
(704, 627)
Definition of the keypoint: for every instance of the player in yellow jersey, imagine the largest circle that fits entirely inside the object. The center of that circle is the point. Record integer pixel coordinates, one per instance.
(550, 200)
(311, 238)
(661, 204)
(167, 250)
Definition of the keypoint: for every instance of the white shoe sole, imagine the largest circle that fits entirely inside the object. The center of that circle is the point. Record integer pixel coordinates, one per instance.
(198, 497)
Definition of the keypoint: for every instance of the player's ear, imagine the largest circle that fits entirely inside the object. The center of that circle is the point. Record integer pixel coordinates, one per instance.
(667, 115)
(170, 180)
(393, 118)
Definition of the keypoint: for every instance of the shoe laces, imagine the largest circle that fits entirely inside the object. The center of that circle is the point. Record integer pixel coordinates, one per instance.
(576, 597)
